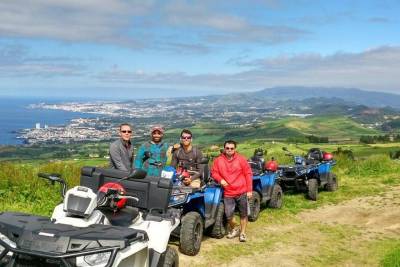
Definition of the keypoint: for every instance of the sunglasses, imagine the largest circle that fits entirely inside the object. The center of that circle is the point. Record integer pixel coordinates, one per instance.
(125, 131)
(186, 137)
(229, 148)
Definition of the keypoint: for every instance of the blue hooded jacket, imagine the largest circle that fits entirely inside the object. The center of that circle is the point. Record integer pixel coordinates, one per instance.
(158, 155)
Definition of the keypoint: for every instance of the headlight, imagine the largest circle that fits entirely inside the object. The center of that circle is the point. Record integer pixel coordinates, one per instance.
(175, 191)
(177, 199)
(6, 240)
(97, 260)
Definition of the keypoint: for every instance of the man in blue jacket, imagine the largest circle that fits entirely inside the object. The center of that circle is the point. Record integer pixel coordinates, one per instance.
(158, 153)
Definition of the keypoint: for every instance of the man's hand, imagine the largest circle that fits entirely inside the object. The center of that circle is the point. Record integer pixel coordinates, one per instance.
(249, 194)
(223, 183)
(176, 146)
(186, 181)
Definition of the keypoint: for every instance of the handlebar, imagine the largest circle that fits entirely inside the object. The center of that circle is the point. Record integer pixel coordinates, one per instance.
(54, 177)
(129, 197)
(112, 197)
(114, 193)
(157, 164)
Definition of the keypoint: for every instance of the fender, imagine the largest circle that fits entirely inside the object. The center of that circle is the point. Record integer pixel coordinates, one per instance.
(158, 232)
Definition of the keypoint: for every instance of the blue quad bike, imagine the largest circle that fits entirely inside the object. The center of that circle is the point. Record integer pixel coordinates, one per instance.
(309, 173)
(266, 189)
(201, 210)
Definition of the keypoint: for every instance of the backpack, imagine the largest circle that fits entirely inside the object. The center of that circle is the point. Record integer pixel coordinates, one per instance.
(163, 152)
(192, 161)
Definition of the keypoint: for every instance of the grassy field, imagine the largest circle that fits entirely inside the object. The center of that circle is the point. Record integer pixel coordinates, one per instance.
(332, 127)
(278, 235)
(56, 151)
(284, 233)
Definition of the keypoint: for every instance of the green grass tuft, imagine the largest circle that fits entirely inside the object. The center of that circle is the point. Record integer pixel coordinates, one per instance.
(392, 258)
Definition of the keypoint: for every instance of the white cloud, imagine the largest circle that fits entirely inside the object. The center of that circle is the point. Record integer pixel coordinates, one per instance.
(219, 27)
(15, 61)
(69, 20)
(181, 13)
(375, 69)
(137, 23)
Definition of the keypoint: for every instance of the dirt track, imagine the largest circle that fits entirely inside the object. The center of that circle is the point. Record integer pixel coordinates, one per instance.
(314, 237)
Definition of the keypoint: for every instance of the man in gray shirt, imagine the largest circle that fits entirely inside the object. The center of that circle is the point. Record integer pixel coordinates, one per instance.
(121, 150)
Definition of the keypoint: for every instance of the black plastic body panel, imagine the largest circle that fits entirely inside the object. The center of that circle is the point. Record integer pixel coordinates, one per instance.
(38, 233)
(41, 243)
(153, 192)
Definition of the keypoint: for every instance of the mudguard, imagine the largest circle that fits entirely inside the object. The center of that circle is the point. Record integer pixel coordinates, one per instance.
(264, 184)
(158, 232)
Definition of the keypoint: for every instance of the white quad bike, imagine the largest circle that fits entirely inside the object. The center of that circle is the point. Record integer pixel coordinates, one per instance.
(110, 228)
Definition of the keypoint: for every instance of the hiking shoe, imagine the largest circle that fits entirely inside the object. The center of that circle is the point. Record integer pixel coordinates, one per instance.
(242, 237)
(233, 233)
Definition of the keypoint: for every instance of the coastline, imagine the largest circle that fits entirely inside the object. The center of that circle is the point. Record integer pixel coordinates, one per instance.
(16, 117)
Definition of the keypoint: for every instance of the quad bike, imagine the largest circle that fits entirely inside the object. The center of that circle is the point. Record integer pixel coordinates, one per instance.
(266, 189)
(111, 228)
(309, 173)
(200, 210)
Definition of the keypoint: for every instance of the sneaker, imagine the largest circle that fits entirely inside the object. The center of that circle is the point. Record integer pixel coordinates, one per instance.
(233, 233)
(242, 237)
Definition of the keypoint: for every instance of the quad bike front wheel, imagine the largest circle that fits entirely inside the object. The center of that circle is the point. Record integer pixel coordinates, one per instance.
(313, 189)
(276, 197)
(169, 258)
(254, 203)
(191, 233)
(332, 184)
(217, 230)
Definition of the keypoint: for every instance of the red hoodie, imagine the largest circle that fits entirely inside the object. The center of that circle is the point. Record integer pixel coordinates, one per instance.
(236, 172)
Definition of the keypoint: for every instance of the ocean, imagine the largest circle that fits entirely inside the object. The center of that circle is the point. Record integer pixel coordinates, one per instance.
(15, 115)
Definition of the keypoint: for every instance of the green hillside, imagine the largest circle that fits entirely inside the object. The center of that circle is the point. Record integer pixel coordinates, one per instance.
(333, 127)
(336, 128)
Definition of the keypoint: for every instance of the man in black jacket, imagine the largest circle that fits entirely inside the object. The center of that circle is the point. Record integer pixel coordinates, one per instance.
(121, 150)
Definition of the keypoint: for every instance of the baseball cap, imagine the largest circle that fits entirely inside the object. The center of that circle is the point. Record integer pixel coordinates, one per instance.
(157, 128)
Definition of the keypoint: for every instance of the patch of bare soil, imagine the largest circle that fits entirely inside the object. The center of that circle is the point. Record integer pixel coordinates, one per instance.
(373, 218)
(377, 214)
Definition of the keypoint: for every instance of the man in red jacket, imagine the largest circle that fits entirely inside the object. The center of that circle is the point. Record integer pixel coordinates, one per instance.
(234, 174)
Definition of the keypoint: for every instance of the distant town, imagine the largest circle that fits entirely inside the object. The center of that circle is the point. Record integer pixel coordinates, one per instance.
(172, 113)
(218, 112)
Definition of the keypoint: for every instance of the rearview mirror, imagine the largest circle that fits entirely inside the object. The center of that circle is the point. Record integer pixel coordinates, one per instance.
(137, 174)
(204, 160)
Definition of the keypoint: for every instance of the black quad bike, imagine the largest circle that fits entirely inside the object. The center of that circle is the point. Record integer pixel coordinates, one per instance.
(309, 173)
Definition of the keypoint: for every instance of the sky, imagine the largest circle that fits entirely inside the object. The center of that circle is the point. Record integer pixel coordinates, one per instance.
(138, 48)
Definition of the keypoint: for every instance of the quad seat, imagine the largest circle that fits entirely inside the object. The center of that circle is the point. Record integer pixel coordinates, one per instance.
(314, 156)
(256, 165)
(123, 217)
